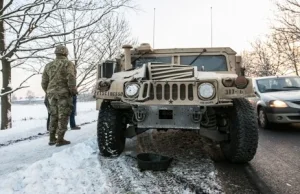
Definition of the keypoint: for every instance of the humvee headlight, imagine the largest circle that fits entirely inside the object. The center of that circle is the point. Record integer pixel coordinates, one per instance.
(206, 90)
(132, 90)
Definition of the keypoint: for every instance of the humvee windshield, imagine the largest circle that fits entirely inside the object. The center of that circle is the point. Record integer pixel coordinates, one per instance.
(209, 62)
(144, 60)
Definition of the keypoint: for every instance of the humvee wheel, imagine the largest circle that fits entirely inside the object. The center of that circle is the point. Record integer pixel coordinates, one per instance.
(243, 137)
(110, 131)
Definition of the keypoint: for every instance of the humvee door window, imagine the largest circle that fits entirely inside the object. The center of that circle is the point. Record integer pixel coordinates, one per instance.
(144, 60)
(209, 62)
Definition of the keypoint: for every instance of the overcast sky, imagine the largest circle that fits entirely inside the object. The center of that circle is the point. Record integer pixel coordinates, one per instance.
(187, 24)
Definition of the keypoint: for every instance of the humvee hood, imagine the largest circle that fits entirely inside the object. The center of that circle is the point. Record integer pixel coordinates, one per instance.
(171, 74)
(138, 73)
(200, 75)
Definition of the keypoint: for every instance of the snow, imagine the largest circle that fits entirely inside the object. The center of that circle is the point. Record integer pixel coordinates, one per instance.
(32, 166)
(29, 120)
(20, 155)
(80, 169)
(61, 173)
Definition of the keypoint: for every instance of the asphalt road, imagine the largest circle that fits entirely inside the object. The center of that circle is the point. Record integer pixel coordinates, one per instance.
(277, 161)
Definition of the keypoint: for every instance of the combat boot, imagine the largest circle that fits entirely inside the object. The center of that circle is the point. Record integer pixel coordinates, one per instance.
(52, 139)
(61, 141)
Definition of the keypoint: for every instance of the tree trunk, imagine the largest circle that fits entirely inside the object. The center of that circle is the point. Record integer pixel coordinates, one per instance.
(6, 99)
(6, 80)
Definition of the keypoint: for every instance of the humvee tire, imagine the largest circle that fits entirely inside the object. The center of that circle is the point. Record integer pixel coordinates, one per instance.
(243, 138)
(110, 131)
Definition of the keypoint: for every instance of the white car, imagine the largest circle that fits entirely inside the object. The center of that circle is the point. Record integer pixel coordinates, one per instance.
(278, 99)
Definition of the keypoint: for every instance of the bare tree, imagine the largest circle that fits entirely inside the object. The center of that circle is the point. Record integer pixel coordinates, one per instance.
(26, 32)
(30, 95)
(265, 58)
(286, 33)
(285, 49)
(92, 45)
(248, 61)
(259, 61)
(287, 16)
(104, 45)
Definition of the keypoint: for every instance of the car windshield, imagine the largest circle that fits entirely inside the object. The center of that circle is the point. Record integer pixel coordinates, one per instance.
(144, 60)
(278, 84)
(209, 62)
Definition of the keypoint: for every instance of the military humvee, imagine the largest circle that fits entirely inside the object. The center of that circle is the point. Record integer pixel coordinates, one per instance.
(200, 89)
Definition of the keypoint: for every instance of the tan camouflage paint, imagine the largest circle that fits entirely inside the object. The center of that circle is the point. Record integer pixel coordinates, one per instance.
(223, 94)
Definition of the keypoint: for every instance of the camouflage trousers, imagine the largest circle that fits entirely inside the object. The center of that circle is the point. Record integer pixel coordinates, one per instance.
(60, 107)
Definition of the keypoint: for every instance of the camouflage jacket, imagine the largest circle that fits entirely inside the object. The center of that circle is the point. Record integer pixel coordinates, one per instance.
(59, 76)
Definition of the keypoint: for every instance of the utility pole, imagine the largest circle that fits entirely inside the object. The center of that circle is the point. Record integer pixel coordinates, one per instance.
(154, 28)
(211, 28)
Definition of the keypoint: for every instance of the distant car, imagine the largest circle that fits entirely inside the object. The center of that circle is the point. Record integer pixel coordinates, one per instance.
(277, 101)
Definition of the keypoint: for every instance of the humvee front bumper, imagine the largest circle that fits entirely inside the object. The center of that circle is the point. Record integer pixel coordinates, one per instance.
(169, 117)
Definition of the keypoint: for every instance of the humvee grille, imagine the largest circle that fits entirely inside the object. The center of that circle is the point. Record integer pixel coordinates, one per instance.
(170, 72)
(169, 91)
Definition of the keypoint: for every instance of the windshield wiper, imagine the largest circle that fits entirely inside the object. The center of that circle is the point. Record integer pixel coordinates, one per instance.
(204, 50)
(133, 61)
(291, 87)
(271, 90)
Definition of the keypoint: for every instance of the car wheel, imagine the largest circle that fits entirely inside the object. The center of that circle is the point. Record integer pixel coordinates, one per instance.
(262, 119)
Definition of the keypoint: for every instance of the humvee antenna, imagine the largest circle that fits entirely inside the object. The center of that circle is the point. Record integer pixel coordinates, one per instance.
(211, 26)
(153, 27)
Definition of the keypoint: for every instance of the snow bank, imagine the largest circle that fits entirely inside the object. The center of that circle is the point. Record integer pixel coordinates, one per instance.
(73, 170)
(80, 169)
(30, 120)
(39, 111)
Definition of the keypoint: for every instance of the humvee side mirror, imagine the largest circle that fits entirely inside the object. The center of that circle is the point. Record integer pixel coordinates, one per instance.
(243, 69)
(107, 69)
(238, 62)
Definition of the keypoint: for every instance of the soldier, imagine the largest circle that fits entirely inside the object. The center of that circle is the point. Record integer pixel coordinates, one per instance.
(59, 83)
(46, 102)
(73, 114)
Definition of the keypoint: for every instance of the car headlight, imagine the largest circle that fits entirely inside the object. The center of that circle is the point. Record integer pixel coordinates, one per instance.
(278, 104)
(206, 90)
(132, 90)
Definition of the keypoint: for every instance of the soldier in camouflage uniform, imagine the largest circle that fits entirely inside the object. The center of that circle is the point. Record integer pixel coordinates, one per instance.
(59, 83)
(46, 102)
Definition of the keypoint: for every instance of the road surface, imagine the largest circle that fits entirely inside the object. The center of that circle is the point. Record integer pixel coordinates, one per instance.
(275, 168)
(277, 161)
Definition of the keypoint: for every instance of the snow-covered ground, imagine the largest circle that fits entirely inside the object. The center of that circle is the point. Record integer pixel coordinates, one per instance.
(31, 166)
(30, 120)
